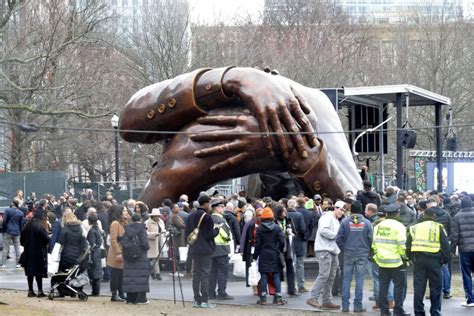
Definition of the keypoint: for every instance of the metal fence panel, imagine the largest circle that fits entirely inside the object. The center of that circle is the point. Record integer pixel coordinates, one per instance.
(39, 182)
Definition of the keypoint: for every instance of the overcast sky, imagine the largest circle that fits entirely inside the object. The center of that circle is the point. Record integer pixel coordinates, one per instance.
(216, 10)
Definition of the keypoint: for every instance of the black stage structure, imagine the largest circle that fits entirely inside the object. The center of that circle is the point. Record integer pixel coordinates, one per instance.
(379, 98)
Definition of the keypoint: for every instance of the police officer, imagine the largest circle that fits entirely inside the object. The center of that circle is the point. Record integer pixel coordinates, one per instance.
(220, 258)
(428, 248)
(390, 256)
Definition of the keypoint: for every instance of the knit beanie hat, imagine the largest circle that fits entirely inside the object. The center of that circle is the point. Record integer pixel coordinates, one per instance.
(267, 213)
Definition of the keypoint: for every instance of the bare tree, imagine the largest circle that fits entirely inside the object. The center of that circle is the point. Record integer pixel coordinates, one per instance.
(44, 68)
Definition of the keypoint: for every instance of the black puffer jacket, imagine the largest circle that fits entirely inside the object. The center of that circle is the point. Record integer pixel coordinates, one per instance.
(462, 230)
(73, 243)
(443, 218)
(270, 242)
(231, 219)
(94, 269)
(366, 197)
(137, 273)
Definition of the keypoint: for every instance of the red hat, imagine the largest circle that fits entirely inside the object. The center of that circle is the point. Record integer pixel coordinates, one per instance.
(267, 213)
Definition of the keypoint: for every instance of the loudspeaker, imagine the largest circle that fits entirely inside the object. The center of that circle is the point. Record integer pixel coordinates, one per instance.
(408, 138)
(451, 143)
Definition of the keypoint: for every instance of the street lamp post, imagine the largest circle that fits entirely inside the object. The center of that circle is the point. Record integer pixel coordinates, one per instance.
(114, 121)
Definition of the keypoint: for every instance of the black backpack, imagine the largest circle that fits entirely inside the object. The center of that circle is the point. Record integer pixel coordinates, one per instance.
(131, 249)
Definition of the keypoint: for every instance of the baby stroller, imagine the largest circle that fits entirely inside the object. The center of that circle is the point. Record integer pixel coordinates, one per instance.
(71, 282)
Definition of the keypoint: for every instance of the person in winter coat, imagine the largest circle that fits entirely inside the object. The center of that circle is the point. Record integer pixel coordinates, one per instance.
(72, 241)
(326, 251)
(231, 218)
(462, 237)
(176, 226)
(247, 243)
(270, 243)
(220, 257)
(354, 238)
(201, 251)
(156, 237)
(136, 271)
(286, 224)
(299, 244)
(34, 258)
(94, 269)
(119, 218)
(442, 217)
(56, 230)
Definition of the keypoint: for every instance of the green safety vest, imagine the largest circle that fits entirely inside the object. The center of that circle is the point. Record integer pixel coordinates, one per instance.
(389, 243)
(425, 237)
(223, 237)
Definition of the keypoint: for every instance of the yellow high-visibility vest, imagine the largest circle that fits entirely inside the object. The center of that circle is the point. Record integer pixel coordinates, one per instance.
(223, 237)
(389, 243)
(425, 237)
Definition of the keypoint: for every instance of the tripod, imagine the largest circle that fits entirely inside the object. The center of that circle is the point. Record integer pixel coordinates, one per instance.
(175, 267)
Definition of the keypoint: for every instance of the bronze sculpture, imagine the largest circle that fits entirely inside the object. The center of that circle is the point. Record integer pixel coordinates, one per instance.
(218, 113)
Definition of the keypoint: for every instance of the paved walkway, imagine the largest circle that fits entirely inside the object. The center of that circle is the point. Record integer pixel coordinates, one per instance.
(12, 278)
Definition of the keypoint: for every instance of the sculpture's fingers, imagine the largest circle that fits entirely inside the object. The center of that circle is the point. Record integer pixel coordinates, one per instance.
(262, 123)
(220, 149)
(304, 123)
(228, 163)
(291, 126)
(275, 121)
(303, 104)
(219, 120)
(215, 136)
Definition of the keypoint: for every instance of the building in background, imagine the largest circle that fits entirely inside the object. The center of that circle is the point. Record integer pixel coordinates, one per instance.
(379, 11)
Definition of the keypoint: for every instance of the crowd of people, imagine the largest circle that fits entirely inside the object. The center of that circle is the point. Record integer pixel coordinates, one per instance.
(366, 232)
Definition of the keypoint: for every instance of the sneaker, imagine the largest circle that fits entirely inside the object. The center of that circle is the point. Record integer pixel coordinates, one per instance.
(143, 303)
(196, 305)
(360, 310)
(313, 302)
(18, 266)
(331, 306)
(447, 296)
(262, 300)
(466, 304)
(278, 300)
(176, 274)
(207, 305)
(302, 290)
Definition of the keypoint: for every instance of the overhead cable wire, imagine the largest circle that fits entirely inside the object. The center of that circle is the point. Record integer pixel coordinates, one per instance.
(37, 128)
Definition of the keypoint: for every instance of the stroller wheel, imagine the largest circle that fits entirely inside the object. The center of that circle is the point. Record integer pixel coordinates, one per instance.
(83, 297)
(51, 295)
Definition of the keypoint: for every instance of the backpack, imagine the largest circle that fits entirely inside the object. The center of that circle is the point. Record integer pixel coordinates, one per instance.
(131, 249)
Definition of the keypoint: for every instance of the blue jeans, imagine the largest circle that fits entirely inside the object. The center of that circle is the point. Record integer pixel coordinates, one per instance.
(375, 280)
(446, 278)
(466, 261)
(359, 266)
(264, 282)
